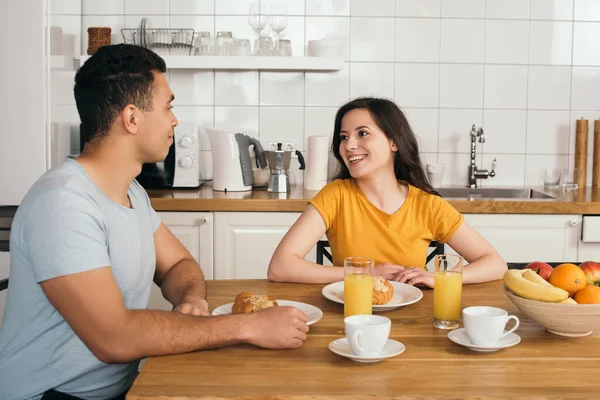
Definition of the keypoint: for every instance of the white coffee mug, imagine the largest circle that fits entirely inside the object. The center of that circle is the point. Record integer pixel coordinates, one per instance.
(485, 325)
(435, 173)
(367, 334)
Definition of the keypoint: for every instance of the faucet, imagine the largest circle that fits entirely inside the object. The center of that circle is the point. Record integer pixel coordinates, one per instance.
(474, 172)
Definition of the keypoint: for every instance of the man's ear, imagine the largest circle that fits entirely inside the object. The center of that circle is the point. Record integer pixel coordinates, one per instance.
(130, 117)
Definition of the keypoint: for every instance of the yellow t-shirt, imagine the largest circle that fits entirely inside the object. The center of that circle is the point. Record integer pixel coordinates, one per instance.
(355, 227)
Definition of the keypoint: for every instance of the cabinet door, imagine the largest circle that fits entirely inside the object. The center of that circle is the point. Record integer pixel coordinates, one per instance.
(23, 98)
(195, 232)
(525, 238)
(245, 242)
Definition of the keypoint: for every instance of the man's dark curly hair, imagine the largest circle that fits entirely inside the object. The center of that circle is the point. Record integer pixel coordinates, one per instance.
(110, 79)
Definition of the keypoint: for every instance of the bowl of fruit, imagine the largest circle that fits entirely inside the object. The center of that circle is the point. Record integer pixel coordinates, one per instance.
(565, 300)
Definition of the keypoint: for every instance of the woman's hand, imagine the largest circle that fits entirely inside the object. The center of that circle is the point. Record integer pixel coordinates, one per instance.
(387, 270)
(414, 275)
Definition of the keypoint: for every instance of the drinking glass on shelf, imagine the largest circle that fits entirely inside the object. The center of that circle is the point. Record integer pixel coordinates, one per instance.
(278, 20)
(283, 47)
(257, 16)
(241, 47)
(224, 43)
(447, 291)
(263, 46)
(204, 44)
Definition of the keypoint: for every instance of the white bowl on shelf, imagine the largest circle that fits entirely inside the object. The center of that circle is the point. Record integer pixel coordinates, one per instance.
(324, 48)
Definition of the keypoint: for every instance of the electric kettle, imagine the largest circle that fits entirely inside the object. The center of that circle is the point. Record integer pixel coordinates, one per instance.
(279, 164)
(232, 165)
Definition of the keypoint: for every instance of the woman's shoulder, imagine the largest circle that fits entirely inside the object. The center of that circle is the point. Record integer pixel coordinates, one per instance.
(339, 185)
(418, 192)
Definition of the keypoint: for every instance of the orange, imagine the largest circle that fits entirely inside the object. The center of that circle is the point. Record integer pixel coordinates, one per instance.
(588, 295)
(568, 277)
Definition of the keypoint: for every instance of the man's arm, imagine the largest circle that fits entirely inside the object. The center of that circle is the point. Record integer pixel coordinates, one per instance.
(92, 305)
(178, 275)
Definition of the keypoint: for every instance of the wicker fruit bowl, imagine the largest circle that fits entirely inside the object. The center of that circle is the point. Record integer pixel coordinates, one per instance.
(571, 320)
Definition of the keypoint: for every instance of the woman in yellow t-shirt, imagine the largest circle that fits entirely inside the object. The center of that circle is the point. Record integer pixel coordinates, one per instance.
(380, 205)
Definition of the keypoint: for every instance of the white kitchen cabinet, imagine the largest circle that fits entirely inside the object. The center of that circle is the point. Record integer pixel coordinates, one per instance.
(195, 231)
(589, 245)
(245, 242)
(525, 238)
(24, 77)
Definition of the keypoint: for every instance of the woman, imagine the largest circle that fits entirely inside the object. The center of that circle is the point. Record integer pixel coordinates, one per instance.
(380, 205)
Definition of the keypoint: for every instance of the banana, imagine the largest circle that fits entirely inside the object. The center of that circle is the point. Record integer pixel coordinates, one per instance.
(568, 300)
(514, 280)
(532, 276)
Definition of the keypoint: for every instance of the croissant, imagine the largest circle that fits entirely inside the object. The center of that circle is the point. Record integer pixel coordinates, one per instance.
(246, 302)
(383, 291)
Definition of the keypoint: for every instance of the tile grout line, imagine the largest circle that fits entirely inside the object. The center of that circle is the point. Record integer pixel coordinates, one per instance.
(485, 26)
(214, 73)
(571, 88)
(439, 84)
(303, 74)
(527, 94)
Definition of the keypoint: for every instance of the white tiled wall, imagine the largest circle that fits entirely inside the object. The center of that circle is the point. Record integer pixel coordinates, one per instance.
(525, 70)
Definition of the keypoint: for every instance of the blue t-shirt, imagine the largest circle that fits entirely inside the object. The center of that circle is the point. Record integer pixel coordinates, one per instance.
(66, 225)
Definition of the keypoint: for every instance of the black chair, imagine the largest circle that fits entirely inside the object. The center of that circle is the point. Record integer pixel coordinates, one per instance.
(322, 251)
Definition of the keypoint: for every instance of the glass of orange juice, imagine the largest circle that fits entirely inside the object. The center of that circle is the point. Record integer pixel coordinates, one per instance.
(447, 291)
(358, 285)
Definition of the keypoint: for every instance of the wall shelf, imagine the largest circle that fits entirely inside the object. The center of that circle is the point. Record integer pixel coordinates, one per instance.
(250, 63)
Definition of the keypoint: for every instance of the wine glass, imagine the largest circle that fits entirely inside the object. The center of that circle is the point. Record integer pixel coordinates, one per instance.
(257, 17)
(278, 20)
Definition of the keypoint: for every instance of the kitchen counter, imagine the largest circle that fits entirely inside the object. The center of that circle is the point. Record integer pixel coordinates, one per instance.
(542, 366)
(585, 201)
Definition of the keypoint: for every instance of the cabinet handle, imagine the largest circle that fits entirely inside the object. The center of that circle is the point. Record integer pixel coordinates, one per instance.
(573, 222)
(204, 220)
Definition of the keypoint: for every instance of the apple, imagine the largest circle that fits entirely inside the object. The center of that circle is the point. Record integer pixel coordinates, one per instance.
(541, 268)
(592, 272)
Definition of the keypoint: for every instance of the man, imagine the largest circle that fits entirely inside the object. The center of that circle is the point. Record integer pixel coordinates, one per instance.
(86, 245)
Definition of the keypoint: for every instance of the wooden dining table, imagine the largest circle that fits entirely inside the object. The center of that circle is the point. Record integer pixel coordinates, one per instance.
(541, 366)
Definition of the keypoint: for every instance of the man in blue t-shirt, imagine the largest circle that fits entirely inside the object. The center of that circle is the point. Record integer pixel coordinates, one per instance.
(86, 246)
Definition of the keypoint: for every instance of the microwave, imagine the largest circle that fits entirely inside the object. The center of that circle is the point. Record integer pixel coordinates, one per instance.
(180, 169)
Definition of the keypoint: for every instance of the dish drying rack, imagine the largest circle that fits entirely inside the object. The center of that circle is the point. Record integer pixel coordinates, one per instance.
(160, 38)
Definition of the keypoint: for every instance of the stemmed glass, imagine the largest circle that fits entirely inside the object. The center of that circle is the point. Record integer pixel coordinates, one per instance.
(278, 20)
(257, 17)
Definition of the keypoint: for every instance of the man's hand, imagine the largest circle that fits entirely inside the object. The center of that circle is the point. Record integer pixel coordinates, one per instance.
(277, 328)
(414, 275)
(198, 308)
(387, 270)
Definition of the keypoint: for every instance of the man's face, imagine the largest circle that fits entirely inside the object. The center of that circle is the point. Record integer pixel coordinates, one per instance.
(157, 126)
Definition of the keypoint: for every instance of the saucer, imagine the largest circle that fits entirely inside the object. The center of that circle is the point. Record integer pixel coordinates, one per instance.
(342, 347)
(313, 314)
(459, 336)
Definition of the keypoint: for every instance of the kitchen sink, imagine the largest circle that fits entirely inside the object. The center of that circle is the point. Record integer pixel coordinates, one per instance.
(492, 193)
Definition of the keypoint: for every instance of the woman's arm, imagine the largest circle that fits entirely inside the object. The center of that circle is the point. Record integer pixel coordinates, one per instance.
(288, 263)
(485, 263)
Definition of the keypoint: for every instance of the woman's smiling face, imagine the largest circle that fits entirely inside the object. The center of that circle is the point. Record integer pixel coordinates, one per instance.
(364, 147)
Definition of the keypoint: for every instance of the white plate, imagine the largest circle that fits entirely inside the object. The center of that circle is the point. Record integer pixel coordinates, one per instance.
(342, 347)
(404, 295)
(459, 336)
(312, 313)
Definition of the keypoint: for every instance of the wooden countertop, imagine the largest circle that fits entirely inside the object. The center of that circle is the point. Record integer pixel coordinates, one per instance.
(586, 201)
(542, 366)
